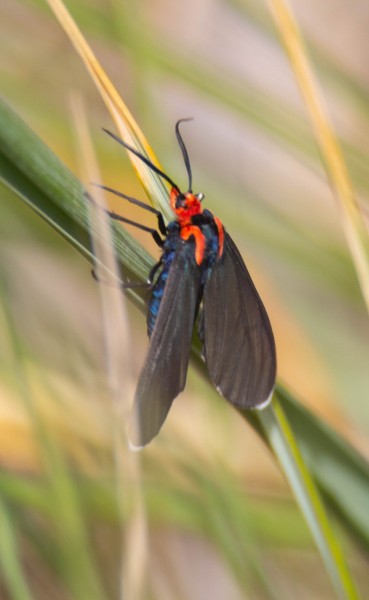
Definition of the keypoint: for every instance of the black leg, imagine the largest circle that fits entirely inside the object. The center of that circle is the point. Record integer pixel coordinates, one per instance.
(157, 239)
(161, 224)
(123, 285)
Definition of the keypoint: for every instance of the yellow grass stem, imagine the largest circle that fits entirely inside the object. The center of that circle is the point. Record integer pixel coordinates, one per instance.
(328, 143)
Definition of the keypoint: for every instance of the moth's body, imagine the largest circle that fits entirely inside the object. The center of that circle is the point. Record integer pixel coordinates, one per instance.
(199, 229)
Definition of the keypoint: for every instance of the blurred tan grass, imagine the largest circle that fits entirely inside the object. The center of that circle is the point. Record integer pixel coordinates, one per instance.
(353, 224)
(134, 557)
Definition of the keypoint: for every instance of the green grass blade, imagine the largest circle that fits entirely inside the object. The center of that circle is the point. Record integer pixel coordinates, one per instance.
(11, 568)
(30, 169)
(285, 448)
(337, 467)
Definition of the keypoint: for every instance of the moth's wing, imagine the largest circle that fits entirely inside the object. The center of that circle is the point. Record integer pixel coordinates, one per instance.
(164, 372)
(239, 347)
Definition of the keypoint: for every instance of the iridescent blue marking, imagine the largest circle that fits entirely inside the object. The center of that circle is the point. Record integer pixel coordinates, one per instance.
(169, 249)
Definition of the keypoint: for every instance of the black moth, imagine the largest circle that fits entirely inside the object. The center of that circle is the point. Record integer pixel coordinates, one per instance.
(200, 277)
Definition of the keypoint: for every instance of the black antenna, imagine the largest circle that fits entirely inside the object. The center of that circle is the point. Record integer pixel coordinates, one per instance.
(147, 161)
(184, 152)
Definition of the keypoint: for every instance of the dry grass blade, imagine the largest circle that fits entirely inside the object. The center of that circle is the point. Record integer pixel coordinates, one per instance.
(116, 334)
(125, 123)
(333, 158)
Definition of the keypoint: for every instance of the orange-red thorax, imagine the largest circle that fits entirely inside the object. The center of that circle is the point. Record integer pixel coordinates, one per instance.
(185, 207)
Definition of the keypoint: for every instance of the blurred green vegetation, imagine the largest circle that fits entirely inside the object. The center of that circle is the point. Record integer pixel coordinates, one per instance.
(214, 500)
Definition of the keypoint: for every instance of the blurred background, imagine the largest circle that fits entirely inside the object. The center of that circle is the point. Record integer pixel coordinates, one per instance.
(217, 518)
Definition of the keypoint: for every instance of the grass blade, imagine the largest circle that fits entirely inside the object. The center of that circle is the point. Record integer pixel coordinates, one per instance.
(127, 126)
(335, 465)
(38, 177)
(353, 224)
(11, 567)
(284, 445)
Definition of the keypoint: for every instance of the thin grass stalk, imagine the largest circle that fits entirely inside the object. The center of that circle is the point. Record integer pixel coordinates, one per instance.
(134, 546)
(334, 162)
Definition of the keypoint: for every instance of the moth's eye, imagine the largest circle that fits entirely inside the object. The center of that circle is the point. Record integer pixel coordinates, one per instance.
(180, 200)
